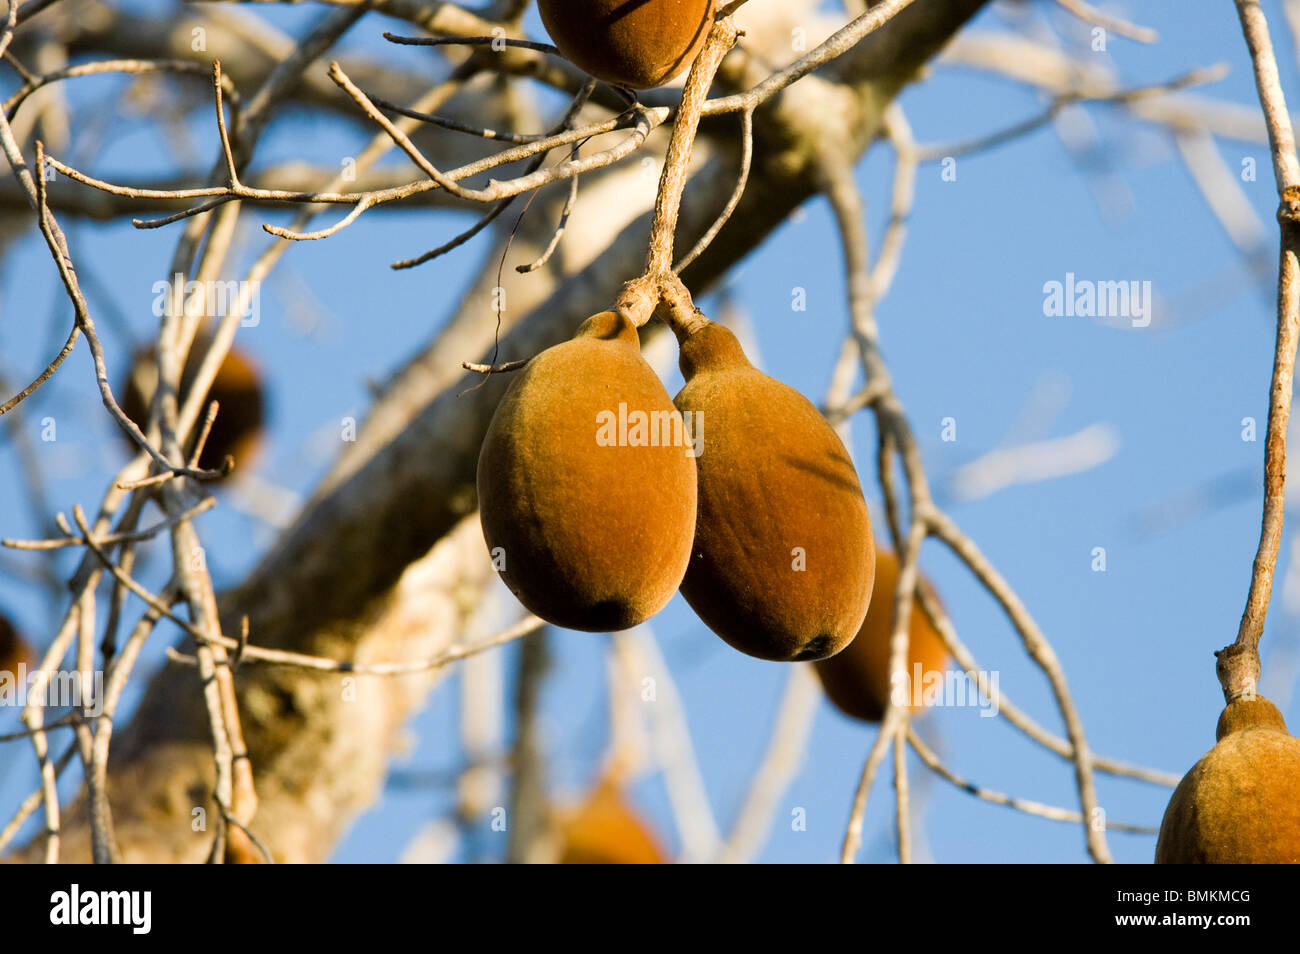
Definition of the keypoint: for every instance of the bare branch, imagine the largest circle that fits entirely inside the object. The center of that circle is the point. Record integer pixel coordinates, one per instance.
(1090, 14)
(672, 182)
(45, 375)
(1238, 665)
(781, 762)
(101, 67)
(560, 227)
(746, 161)
(902, 801)
(114, 538)
(492, 41)
(1028, 806)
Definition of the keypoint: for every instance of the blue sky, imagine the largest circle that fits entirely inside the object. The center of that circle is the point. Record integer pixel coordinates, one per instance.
(965, 335)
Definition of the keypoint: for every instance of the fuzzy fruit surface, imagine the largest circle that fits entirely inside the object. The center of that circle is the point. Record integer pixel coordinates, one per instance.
(1240, 804)
(605, 830)
(635, 43)
(237, 388)
(783, 560)
(857, 679)
(593, 536)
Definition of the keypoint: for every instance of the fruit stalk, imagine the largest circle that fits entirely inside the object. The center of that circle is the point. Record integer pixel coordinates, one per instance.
(721, 38)
(1238, 665)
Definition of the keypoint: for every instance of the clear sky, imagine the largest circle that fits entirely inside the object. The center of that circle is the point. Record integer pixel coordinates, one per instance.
(966, 337)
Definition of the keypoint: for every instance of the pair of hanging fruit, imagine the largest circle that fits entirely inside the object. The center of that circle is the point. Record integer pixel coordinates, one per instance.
(600, 496)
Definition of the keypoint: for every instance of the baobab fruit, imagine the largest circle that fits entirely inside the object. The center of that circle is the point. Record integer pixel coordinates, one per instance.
(634, 43)
(1240, 804)
(606, 830)
(237, 388)
(14, 650)
(783, 557)
(857, 680)
(586, 483)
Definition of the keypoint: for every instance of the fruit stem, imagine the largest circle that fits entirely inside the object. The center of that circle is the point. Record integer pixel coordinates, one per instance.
(677, 309)
(672, 182)
(1238, 665)
(664, 295)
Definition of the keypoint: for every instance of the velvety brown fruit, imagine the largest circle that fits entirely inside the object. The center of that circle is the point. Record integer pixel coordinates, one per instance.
(1240, 804)
(237, 387)
(783, 558)
(585, 483)
(857, 679)
(635, 43)
(605, 830)
(14, 650)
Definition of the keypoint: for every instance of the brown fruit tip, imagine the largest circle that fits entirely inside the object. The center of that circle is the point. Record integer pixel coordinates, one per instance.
(713, 346)
(1240, 804)
(1242, 714)
(609, 326)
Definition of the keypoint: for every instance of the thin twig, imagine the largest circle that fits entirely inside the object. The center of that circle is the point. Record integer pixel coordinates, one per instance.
(1042, 653)
(565, 125)
(1028, 806)
(1090, 14)
(1019, 719)
(1238, 665)
(853, 834)
(672, 182)
(1067, 98)
(492, 41)
(45, 375)
(34, 801)
(455, 125)
(504, 367)
(896, 436)
(640, 124)
(232, 172)
(102, 67)
(208, 420)
(69, 721)
(742, 180)
(902, 801)
(781, 762)
(136, 536)
(561, 226)
(671, 735)
(279, 657)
